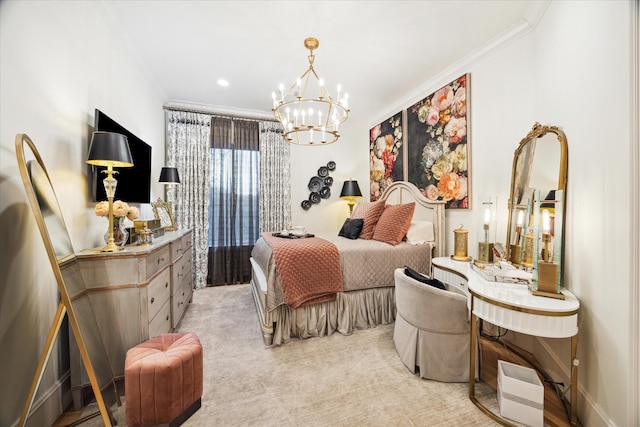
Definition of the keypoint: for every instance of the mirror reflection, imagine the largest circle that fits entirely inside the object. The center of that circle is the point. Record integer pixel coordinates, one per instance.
(74, 299)
(539, 167)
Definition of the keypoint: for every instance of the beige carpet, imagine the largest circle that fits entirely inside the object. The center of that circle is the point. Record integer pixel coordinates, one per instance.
(355, 380)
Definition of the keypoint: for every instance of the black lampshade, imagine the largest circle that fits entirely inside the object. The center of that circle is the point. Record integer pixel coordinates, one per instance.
(169, 176)
(109, 149)
(350, 189)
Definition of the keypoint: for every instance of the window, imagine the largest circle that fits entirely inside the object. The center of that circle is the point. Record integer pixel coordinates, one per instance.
(234, 199)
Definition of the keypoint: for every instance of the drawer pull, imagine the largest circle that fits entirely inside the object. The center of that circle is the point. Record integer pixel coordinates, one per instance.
(152, 300)
(167, 317)
(166, 285)
(160, 260)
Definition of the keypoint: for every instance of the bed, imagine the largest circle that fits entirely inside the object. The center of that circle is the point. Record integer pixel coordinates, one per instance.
(366, 296)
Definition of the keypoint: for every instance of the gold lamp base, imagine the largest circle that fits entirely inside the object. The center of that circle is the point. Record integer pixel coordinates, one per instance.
(485, 252)
(514, 254)
(547, 281)
(110, 247)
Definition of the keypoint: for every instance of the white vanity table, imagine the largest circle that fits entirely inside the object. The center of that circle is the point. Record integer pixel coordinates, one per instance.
(512, 306)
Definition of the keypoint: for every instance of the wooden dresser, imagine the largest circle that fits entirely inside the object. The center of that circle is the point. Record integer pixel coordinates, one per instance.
(136, 294)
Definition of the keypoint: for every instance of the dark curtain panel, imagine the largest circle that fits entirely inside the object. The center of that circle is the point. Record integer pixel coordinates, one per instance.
(234, 204)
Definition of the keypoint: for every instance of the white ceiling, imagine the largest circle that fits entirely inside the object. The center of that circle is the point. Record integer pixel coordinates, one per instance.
(377, 50)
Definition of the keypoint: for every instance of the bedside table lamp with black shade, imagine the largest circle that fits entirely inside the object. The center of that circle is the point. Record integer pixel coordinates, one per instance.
(350, 192)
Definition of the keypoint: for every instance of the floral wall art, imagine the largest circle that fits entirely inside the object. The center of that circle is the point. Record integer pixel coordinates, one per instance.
(386, 163)
(438, 144)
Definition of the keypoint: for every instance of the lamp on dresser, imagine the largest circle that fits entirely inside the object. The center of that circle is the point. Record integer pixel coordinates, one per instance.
(350, 192)
(111, 150)
(169, 175)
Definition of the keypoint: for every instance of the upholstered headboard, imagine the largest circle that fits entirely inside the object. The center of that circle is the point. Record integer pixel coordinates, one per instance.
(426, 210)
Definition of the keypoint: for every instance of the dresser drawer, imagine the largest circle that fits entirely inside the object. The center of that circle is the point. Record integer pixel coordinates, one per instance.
(157, 260)
(158, 292)
(180, 270)
(161, 323)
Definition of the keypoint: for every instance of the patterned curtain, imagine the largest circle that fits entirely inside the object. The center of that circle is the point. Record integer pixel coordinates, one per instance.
(275, 179)
(188, 149)
(234, 225)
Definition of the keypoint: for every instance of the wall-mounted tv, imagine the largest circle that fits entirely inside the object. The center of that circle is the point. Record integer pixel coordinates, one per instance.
(134, 183)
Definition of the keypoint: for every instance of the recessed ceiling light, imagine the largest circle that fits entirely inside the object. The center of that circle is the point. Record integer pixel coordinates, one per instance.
(223, 82)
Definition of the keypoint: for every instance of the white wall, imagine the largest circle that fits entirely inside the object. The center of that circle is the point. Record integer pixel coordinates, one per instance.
(59, 61)
(582, 70)
(571, 71)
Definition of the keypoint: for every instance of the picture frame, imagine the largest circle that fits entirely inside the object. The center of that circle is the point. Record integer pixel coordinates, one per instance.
(164, 212)
(386, 154)
(438, 144)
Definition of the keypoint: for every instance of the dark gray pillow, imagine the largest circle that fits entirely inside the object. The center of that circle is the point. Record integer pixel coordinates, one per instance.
(423, 279)
(351, 228)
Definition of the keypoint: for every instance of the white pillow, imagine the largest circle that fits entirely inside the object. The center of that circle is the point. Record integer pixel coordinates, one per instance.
(420, 232)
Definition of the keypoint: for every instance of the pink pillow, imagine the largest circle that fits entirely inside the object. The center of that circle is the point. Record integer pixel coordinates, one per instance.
(369, 212)
(394, 223)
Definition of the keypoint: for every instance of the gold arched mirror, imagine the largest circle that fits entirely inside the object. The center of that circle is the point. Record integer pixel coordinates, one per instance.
(74, 301)
(539, 167)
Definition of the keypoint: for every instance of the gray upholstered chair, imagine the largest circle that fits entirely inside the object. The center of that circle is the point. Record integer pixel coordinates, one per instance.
(431, 330)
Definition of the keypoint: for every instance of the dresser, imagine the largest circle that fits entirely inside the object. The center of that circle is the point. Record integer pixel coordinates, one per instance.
(136, 294)
(512, 306)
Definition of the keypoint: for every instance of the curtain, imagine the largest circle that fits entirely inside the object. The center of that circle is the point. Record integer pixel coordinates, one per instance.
(275, 179)
(234, 201)
(188, 136)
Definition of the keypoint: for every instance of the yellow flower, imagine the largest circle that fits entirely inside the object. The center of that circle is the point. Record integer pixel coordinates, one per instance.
(102, 209)
(133, 213)
(120, 208)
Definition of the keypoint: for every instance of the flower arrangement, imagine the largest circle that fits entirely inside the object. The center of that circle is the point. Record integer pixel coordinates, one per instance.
(121, 210)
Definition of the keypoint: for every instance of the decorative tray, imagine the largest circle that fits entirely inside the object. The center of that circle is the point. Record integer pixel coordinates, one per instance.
(292, 236)
(509, 274)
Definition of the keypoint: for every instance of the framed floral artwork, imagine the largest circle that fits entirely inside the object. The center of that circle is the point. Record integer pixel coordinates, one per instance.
(386, 163)
(438, 144)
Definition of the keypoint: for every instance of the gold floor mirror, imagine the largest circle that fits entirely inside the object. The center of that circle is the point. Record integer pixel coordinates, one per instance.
(74, 300)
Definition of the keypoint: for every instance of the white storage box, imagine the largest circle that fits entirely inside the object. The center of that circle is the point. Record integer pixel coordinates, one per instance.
(520, 394)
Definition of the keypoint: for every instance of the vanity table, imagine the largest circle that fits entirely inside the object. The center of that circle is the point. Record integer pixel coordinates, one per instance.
(512, 306)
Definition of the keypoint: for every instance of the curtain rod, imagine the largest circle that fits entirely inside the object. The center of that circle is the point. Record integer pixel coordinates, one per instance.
(217, 111)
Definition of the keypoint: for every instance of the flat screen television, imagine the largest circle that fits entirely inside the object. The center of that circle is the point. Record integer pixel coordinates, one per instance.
(134, 183)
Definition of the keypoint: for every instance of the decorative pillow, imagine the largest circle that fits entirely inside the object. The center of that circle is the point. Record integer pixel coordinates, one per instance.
(420, 232)
(424, 279)
(351, 228)
(394, 223)
(370, 212)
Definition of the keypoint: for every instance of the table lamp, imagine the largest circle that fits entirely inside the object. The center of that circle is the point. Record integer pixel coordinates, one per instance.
(111, 150)
(169, 175)
(350, 192)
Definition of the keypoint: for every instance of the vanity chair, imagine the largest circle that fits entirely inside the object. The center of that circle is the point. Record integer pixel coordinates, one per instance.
(431, 329)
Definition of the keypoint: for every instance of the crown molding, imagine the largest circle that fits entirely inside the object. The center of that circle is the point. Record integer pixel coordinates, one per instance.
(217, 110)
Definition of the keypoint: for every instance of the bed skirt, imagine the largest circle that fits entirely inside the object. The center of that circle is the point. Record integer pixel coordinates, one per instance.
(361, 309)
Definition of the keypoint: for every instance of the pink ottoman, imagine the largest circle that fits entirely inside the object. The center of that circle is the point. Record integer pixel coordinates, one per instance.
(163, 380)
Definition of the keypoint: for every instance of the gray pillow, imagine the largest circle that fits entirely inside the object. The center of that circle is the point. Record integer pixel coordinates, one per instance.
(351, 228)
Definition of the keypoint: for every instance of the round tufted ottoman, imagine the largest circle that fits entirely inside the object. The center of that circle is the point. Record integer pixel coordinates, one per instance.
(163, 380)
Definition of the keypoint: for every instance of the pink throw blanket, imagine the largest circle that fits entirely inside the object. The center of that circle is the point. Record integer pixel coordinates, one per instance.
(309, 269)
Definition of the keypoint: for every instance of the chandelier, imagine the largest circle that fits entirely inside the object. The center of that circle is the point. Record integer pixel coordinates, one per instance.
(308, 113)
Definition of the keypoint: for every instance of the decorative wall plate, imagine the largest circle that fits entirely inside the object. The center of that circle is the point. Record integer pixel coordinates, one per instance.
(319, 186)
